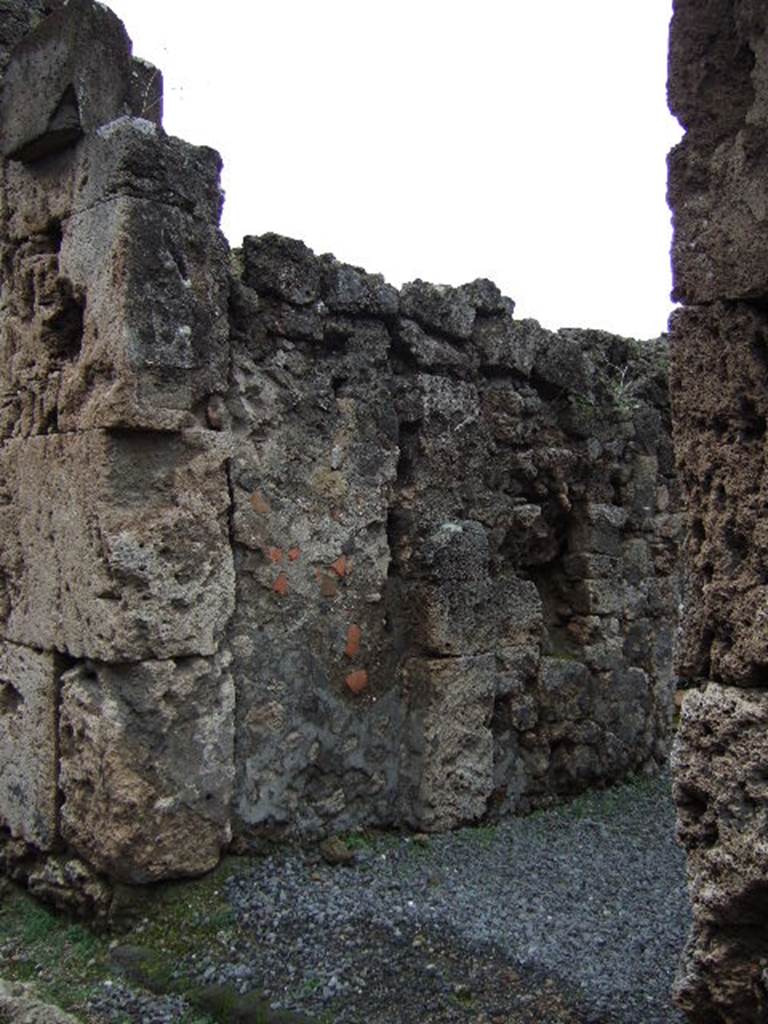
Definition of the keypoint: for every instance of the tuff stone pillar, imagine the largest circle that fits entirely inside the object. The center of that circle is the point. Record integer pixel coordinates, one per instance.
(117, 578)
(718, 190)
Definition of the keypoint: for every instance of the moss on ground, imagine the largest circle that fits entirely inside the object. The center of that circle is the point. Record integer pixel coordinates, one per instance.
(160, 927)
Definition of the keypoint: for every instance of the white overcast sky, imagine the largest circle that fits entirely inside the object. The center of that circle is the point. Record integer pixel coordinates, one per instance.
(521, 140)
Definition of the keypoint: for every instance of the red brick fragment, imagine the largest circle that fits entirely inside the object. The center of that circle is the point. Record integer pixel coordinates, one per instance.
(293, 554)
(354, 636)
(340, 567)
(357, 681)
(275, 554)
(280, 586)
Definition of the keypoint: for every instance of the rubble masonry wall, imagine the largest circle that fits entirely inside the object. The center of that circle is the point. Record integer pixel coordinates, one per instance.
(284, 550)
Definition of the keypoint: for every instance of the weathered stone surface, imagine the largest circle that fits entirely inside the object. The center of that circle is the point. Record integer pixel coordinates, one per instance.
(18, 18)
(115, 287)
(145, 95)
(70, 75)
(147, 765)
(154, 338)
(20, 1004)
(115, 546)
(132, 158)
(720, 378)
(448, 744)
(439, 308)
(718, 88)
(350, 290)
(312, 472)
(437, 544)
(283, 267)
(722, 799)
(28, 761)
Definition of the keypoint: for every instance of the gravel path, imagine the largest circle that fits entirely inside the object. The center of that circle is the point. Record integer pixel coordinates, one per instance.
(571, 915)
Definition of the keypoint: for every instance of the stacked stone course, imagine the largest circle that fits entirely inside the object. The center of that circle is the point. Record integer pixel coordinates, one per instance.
(285, 550)
(116, 572)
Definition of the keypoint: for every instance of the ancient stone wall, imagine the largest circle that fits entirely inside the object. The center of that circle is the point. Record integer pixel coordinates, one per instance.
(286, 550)
(718, 188)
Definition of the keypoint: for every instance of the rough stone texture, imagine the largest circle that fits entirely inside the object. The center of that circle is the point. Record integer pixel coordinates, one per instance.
(17, 18)
(544, 568)
(146, 766)
(69, 76)
(429, 548)
(20, 1004)
(718, 87)
(449, 742)
(314, 463)
(720, 388)
(721, 789)
(115, 286)
(115, 545)
(28, 754)
(115, 508)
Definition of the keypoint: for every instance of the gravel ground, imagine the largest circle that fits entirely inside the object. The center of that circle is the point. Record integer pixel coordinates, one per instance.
(571, 915)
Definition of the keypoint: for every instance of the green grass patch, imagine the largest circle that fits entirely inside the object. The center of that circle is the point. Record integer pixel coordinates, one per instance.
(66, 960)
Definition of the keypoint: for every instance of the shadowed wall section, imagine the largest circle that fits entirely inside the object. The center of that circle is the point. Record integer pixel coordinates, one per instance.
(718, 189)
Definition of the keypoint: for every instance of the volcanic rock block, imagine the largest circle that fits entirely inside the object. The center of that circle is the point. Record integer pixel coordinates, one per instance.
(718, 88)
(115, 546)
(720, 378)
(116, 286)
(439, 308)
(350, 290)
(154, 324)
(283, 267)
(28, 767)
(70, 75)
(147, 765)
(448, 746)
(504, 343)
(721, 790)
(599, 530)
(130, 158)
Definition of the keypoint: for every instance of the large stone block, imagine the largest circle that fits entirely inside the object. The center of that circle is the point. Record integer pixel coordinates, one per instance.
(68, 76)
(115, 546)
(147, 766)
(130, 158)
(28, 744)
(115, 286)
(599, 529)
(155, 329)
(718, 87)
(719, 762)
(447, 758)
(721, 410)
